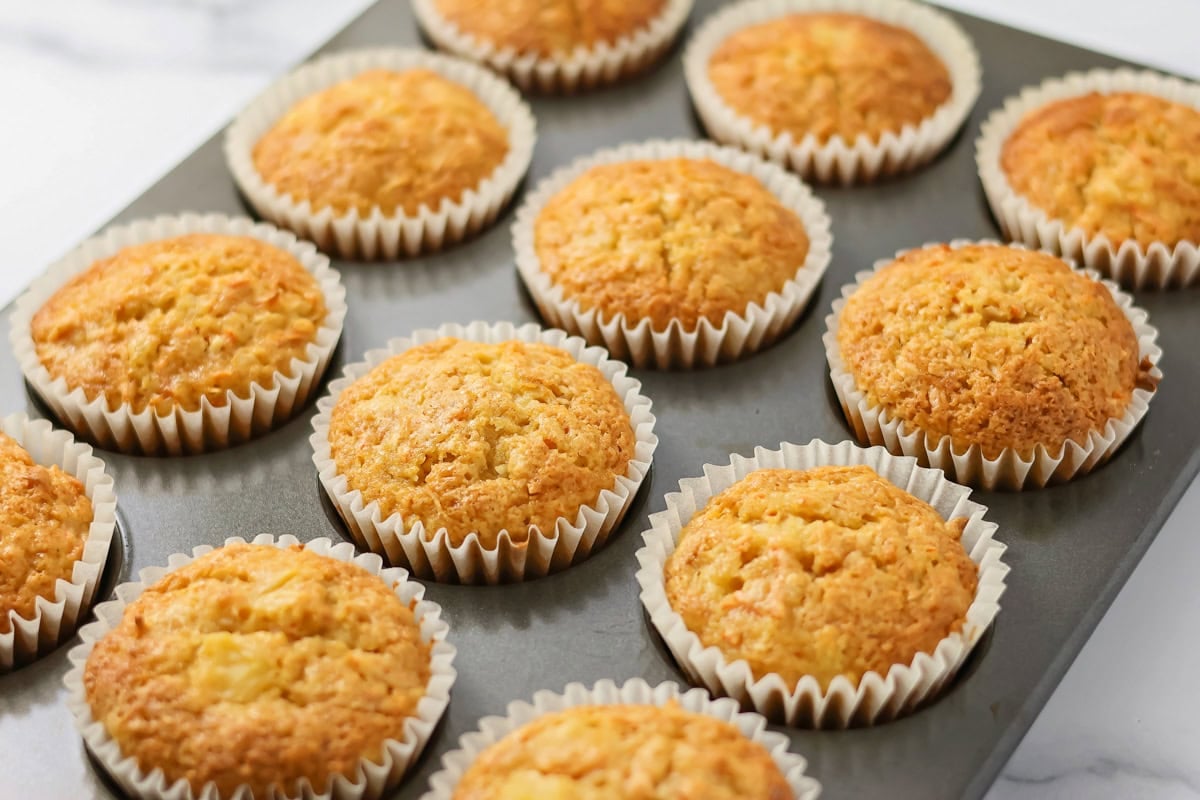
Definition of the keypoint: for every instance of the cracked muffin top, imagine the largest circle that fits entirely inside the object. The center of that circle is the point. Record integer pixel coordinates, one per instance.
(829, 75)
(824, 572)
(991, 345)
(1125, 165)
(261, 666)
(383, 139)
(624, 752)
(549, 27)
(44, 520)
(673, 239)
(164, 324)
(481, 438)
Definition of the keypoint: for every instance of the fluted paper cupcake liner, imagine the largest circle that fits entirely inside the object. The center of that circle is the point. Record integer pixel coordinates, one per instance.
(370, 780)
(1010, 470)
(862, 160)
(607, 693)
(1158, 266)
(581, 69)
(211, 426)
(876, 698)
(55, 618)
(378, 235)
(431, 555)
(738, 335)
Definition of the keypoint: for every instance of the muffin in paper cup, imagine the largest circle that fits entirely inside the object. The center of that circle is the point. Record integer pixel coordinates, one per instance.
(55, 618)
(1010, 470)
(704, 345)
(430, 554)
(581, 69)
(1158, 266)
(836, 160)
(177, 432)
(378, 235)
(370, 779)
(876, 698)
(633, 692)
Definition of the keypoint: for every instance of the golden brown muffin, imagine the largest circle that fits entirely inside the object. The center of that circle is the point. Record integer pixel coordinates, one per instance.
(260, 666)
(627, 752)
(823, 572)
(1124, 165)
(481, 437)
(682, 238)
(829, 74)
(392, 140)
(549, 27)
(44, 519)
(991, 345)
(166, 323)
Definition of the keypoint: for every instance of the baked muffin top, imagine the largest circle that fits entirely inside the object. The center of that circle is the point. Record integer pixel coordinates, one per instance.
(681, 238)
(392, 140)
(549, 27)
(1125, 165)
(829, 75)
(991, 345)
(44, 519)
(624, 752)
(166, 323)
(823, 572)
(481, 438)
(260, 666)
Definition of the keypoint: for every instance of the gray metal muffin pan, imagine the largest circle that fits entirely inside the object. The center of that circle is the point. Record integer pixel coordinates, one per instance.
(1070, 547)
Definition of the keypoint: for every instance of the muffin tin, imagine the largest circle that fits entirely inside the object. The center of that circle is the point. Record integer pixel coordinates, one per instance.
(1070, 547)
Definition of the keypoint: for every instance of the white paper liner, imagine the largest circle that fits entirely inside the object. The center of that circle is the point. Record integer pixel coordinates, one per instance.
(370, 780)
(584, 68)
(877, 698)
(1010, 470)
(54, 618)
(433, 557)
(633, 692)
(738, 334)
(379, 235)
(862, 160)
(1161, 264)
(211, 426)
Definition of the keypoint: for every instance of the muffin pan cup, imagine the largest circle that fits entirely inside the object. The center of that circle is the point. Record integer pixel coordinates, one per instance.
(632, 692)
(378, 235)
(370, 780)
(1159, 266)
(836, 160)
(676, 347)
(54, 618)
(582, 69)
(876, 698)
(178, 432)
(431, 555)
(1010, 470)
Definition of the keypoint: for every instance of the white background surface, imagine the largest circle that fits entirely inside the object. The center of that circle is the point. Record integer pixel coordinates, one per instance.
(98, 98)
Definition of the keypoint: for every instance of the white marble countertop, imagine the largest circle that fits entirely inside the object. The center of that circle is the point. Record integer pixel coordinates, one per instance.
(79, 75)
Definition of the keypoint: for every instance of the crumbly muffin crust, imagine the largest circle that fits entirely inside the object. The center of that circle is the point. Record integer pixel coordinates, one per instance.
(259, 666)
(386, 139)
(1126, 165)
(829, 74)
(44, 519)
(823, 572)
(166, 323)
(550, 27)
(624, 752)
(680, 238)
(991, 345)
(481, 438)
